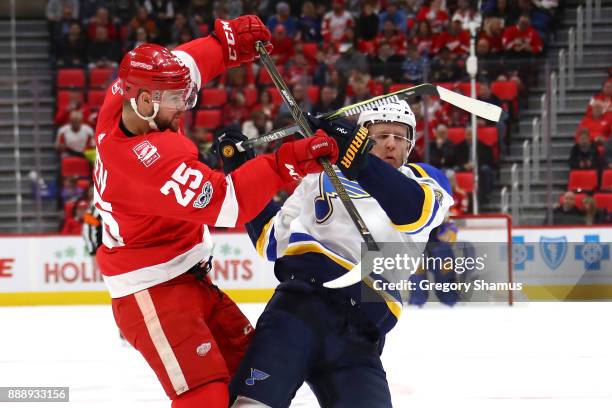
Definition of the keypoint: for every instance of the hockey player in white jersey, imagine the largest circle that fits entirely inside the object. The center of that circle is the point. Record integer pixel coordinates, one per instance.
(329, 337)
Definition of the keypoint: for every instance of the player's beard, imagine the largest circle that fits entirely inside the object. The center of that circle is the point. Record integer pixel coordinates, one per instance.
(171, 123)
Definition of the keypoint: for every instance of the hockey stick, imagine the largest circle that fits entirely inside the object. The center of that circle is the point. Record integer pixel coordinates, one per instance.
(300, 119)
(479, 108)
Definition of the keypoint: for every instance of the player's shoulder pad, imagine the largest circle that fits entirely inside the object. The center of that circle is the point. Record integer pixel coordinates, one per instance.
(429, 171)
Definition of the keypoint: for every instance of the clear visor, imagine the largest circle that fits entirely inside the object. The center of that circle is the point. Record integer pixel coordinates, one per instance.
(179, 99)
(381, 137)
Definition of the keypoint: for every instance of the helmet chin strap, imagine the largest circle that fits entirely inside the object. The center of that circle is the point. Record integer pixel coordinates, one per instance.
(149, 119)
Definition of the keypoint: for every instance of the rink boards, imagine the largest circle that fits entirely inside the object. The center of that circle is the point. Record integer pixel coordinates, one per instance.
(553, 263)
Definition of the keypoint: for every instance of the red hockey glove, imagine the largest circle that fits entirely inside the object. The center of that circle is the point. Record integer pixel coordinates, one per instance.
(296, 159)
(238, 38)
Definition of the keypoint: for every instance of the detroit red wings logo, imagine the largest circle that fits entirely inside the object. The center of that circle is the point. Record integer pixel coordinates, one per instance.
(146, 153)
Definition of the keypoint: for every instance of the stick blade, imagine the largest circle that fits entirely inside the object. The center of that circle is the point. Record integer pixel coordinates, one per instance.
(479, 108)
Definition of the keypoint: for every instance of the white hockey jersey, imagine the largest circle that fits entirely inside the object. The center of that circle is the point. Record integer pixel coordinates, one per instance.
(312, 236)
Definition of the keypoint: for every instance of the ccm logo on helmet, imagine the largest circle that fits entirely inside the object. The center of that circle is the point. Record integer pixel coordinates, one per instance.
(356, 143)
(229, 36)
(138, 64)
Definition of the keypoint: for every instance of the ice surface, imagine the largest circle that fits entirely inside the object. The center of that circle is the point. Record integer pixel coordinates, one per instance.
(528, 355)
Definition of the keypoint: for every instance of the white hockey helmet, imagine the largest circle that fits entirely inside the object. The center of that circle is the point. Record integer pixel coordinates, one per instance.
(396, 112)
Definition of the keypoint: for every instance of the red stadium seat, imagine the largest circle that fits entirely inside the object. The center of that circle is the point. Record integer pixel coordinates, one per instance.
(83, 183)
(376, 88)
(70, 78)
(582, 180)
(100, 77)
(250, 95)
(456, 135)
(313, 93)
(489, 136)
(606, 181)
(505, 90)
(68, 209)
(263, 78)
(310, 51)
(367, 47)
(579, 200)
(603, 200)
(448, 85)
(75, 166)
(95, 97)
(208, 119)
(399, 87)
(466, 88)
(276, 96)
(214, 97)
(62, 99)
(465, 181)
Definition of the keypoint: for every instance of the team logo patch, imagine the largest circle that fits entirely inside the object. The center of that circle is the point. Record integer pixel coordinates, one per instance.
(203, 349)
(228, 151)
(146, 153)
(256, 375)
(205, 196)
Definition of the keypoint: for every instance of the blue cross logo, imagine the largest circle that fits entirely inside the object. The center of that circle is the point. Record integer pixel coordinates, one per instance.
(592, 252)
(521, 252)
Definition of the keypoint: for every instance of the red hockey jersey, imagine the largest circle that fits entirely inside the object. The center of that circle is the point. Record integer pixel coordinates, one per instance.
(156, 198)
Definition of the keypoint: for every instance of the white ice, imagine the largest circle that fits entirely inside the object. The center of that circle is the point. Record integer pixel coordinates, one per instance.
(529, 355)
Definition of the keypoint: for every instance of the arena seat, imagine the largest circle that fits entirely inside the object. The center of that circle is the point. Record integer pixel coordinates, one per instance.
(313, 93)
(466, 88)
(62, 99)
(250, 95)
(214, 97)
(603, 200)
(399, 87)
(465, 181)
(208, 119)
(70, 78)
(100, 77)
(456, 135)
(582, 180)
(310, 51)
(489, 136)
(277, 99)
(75, 166)
(95, 98)
(606, 181)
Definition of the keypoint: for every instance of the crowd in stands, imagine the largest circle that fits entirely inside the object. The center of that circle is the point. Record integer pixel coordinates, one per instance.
(589, 196)
(332, 53)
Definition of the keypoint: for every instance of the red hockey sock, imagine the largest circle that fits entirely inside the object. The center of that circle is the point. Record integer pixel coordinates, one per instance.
(211, 395)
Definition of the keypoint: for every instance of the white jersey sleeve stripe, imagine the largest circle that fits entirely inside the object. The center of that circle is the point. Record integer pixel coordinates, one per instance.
(228, 215)
(160, 341)
(190, 63)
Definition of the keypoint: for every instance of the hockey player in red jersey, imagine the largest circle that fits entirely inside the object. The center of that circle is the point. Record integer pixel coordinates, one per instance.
(155, 199)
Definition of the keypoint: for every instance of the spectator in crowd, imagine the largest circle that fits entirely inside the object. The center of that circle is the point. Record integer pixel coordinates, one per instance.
(492, 32)
(74, 224)
(75, 137)
(257, 126)
(521, 39)
(367, 23)
(139, 37)
(336, 22)
(607, 153)
(70, 190)
(486, 163)
(266, 104)
(75, 103)
(584, 153)
(321, 70)
(444, 67)
(283, 18)
(60, 27)
(467, 15)
(283, 45)
(57, 8)
(103, 52)
(72, 49)
(301, 97)
(596, 123)
(163, 12)
(235, 111)
(101, 19)
(423, 38)
(567, 213)
(180, 24)
(351, 60)
(441, 150)
(506, 10)
(143, 20)
(298, 69)
(309, 24)
(328, 100)
(395, 15)
(592, 214)
(461, 200)
(605, 98)
(414, 65)
(361, 91)
(386, 65)
(436, 14)
(393, 36)
(454, 38)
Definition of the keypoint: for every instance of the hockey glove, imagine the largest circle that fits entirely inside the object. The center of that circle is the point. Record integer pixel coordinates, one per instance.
(238, 38)
(352, 141)
(225, 148)
(296, 159)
